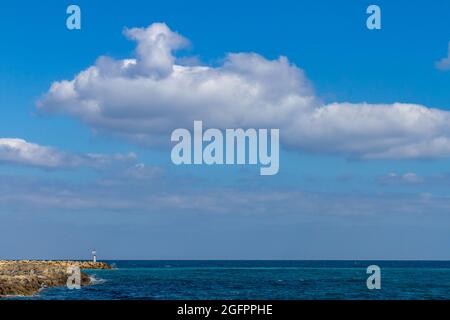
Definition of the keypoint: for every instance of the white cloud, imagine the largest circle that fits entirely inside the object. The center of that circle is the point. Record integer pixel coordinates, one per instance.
(141, 171)
(406, 178)
(154, 49)
(414, 179)
(21, 152)
(26, 193)
(374, 131)
(444, 63)
(145, 98)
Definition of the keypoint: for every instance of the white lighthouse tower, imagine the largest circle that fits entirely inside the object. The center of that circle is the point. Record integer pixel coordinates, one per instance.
(94, 256)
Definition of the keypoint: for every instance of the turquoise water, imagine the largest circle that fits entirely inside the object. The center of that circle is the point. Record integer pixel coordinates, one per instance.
(262, 280)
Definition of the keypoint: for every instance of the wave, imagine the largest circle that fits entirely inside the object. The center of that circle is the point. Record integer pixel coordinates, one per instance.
(95, 280)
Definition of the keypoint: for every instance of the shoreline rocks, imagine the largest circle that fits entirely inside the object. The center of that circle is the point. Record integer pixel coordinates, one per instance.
(27, 277)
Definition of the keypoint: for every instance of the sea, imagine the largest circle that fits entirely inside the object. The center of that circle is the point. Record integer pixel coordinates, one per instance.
(260, 280)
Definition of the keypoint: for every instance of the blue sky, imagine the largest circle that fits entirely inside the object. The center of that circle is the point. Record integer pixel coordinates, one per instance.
(356, 186)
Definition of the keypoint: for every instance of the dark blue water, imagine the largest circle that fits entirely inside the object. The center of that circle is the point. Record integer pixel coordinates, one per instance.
(262, 280)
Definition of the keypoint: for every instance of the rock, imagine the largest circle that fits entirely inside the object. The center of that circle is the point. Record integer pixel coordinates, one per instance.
(26, 277)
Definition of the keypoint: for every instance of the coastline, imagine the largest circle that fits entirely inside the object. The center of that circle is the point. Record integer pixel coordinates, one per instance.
(27, 277)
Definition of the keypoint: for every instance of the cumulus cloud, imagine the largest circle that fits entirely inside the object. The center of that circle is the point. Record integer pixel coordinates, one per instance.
(145, 97)
(444, 63)
(21, 152)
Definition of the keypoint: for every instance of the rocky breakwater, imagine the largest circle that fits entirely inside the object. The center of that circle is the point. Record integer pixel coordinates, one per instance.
(26, 277)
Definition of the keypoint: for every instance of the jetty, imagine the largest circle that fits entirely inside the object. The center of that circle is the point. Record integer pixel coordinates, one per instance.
(27, 277)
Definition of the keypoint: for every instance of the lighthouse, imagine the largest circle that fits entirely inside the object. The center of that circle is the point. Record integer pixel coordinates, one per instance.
(94, 256)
